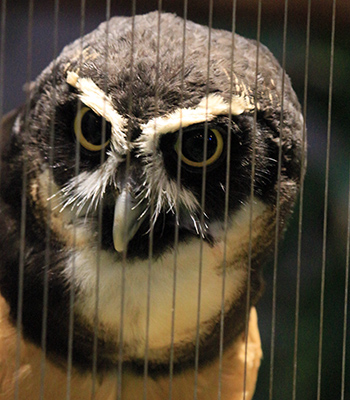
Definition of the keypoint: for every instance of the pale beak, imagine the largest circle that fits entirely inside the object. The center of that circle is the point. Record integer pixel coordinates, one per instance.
(129, 214)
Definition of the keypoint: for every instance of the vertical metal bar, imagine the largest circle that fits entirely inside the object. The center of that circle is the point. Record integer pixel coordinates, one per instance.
(124, 255)
(277, 229)
(24, 201)
(152, 209)
(325, 214)
(72, 276)
(121, 323)
(346, 299)
(99, 217)
(178, 185)
(202, 217)
(252, 181)
(301, 203)
(2, 67)
(48, 212)
(227, 198)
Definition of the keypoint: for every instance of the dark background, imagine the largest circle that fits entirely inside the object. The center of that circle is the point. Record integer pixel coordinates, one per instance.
(14, 35)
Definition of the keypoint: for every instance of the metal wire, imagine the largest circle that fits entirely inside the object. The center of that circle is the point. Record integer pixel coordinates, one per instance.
(152, 207)
(252, 185)
(2, 67)
(325, 213)
(124, 254)
(227, 198)
(72, 276)
(278, 200)
(177, 223)
(49, 212)
(202, 217)
(301, 203)
(346, 299)
(100, 214)
(23, 202)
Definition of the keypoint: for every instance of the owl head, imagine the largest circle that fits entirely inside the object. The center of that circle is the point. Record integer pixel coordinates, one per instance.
(142, 187)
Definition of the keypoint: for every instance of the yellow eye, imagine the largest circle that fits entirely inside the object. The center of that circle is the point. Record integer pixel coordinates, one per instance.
(192, 148)
(88, 128)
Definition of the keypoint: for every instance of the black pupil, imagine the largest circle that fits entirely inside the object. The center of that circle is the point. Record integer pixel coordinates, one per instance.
(92, 128)
(193, 145)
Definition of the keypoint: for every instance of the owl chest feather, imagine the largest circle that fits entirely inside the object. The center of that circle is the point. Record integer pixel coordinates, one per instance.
(152, 306)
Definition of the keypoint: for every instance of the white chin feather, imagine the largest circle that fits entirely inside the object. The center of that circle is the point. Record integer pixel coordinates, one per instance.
(145, 289)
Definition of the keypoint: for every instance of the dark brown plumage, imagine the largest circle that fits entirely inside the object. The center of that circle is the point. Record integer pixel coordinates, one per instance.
(101, 140)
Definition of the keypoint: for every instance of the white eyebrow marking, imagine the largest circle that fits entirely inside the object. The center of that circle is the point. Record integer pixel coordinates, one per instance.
(206, 110)
(95, 98)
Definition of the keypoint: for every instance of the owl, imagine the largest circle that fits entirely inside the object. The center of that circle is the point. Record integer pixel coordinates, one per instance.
(142, 188)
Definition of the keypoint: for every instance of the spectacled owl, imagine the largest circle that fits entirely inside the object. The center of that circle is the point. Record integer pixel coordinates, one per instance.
(143, 175)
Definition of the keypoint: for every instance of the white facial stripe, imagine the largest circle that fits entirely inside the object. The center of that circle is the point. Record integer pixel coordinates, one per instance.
(95, 98)
(207, 110)
(168, 193)
(86, 190)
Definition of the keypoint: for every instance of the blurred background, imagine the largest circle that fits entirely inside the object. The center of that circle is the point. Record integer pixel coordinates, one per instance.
(276, 382)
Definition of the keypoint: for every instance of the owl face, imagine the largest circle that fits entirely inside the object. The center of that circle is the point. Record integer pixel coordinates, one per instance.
(141, 152)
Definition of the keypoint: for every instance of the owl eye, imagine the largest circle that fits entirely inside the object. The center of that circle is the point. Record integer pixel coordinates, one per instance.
(192, 149)
(88, 128)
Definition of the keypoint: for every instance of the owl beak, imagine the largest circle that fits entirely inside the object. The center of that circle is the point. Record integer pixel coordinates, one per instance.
(129, 214)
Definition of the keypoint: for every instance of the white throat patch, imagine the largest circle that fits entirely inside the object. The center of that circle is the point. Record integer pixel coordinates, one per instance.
(144, 289)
